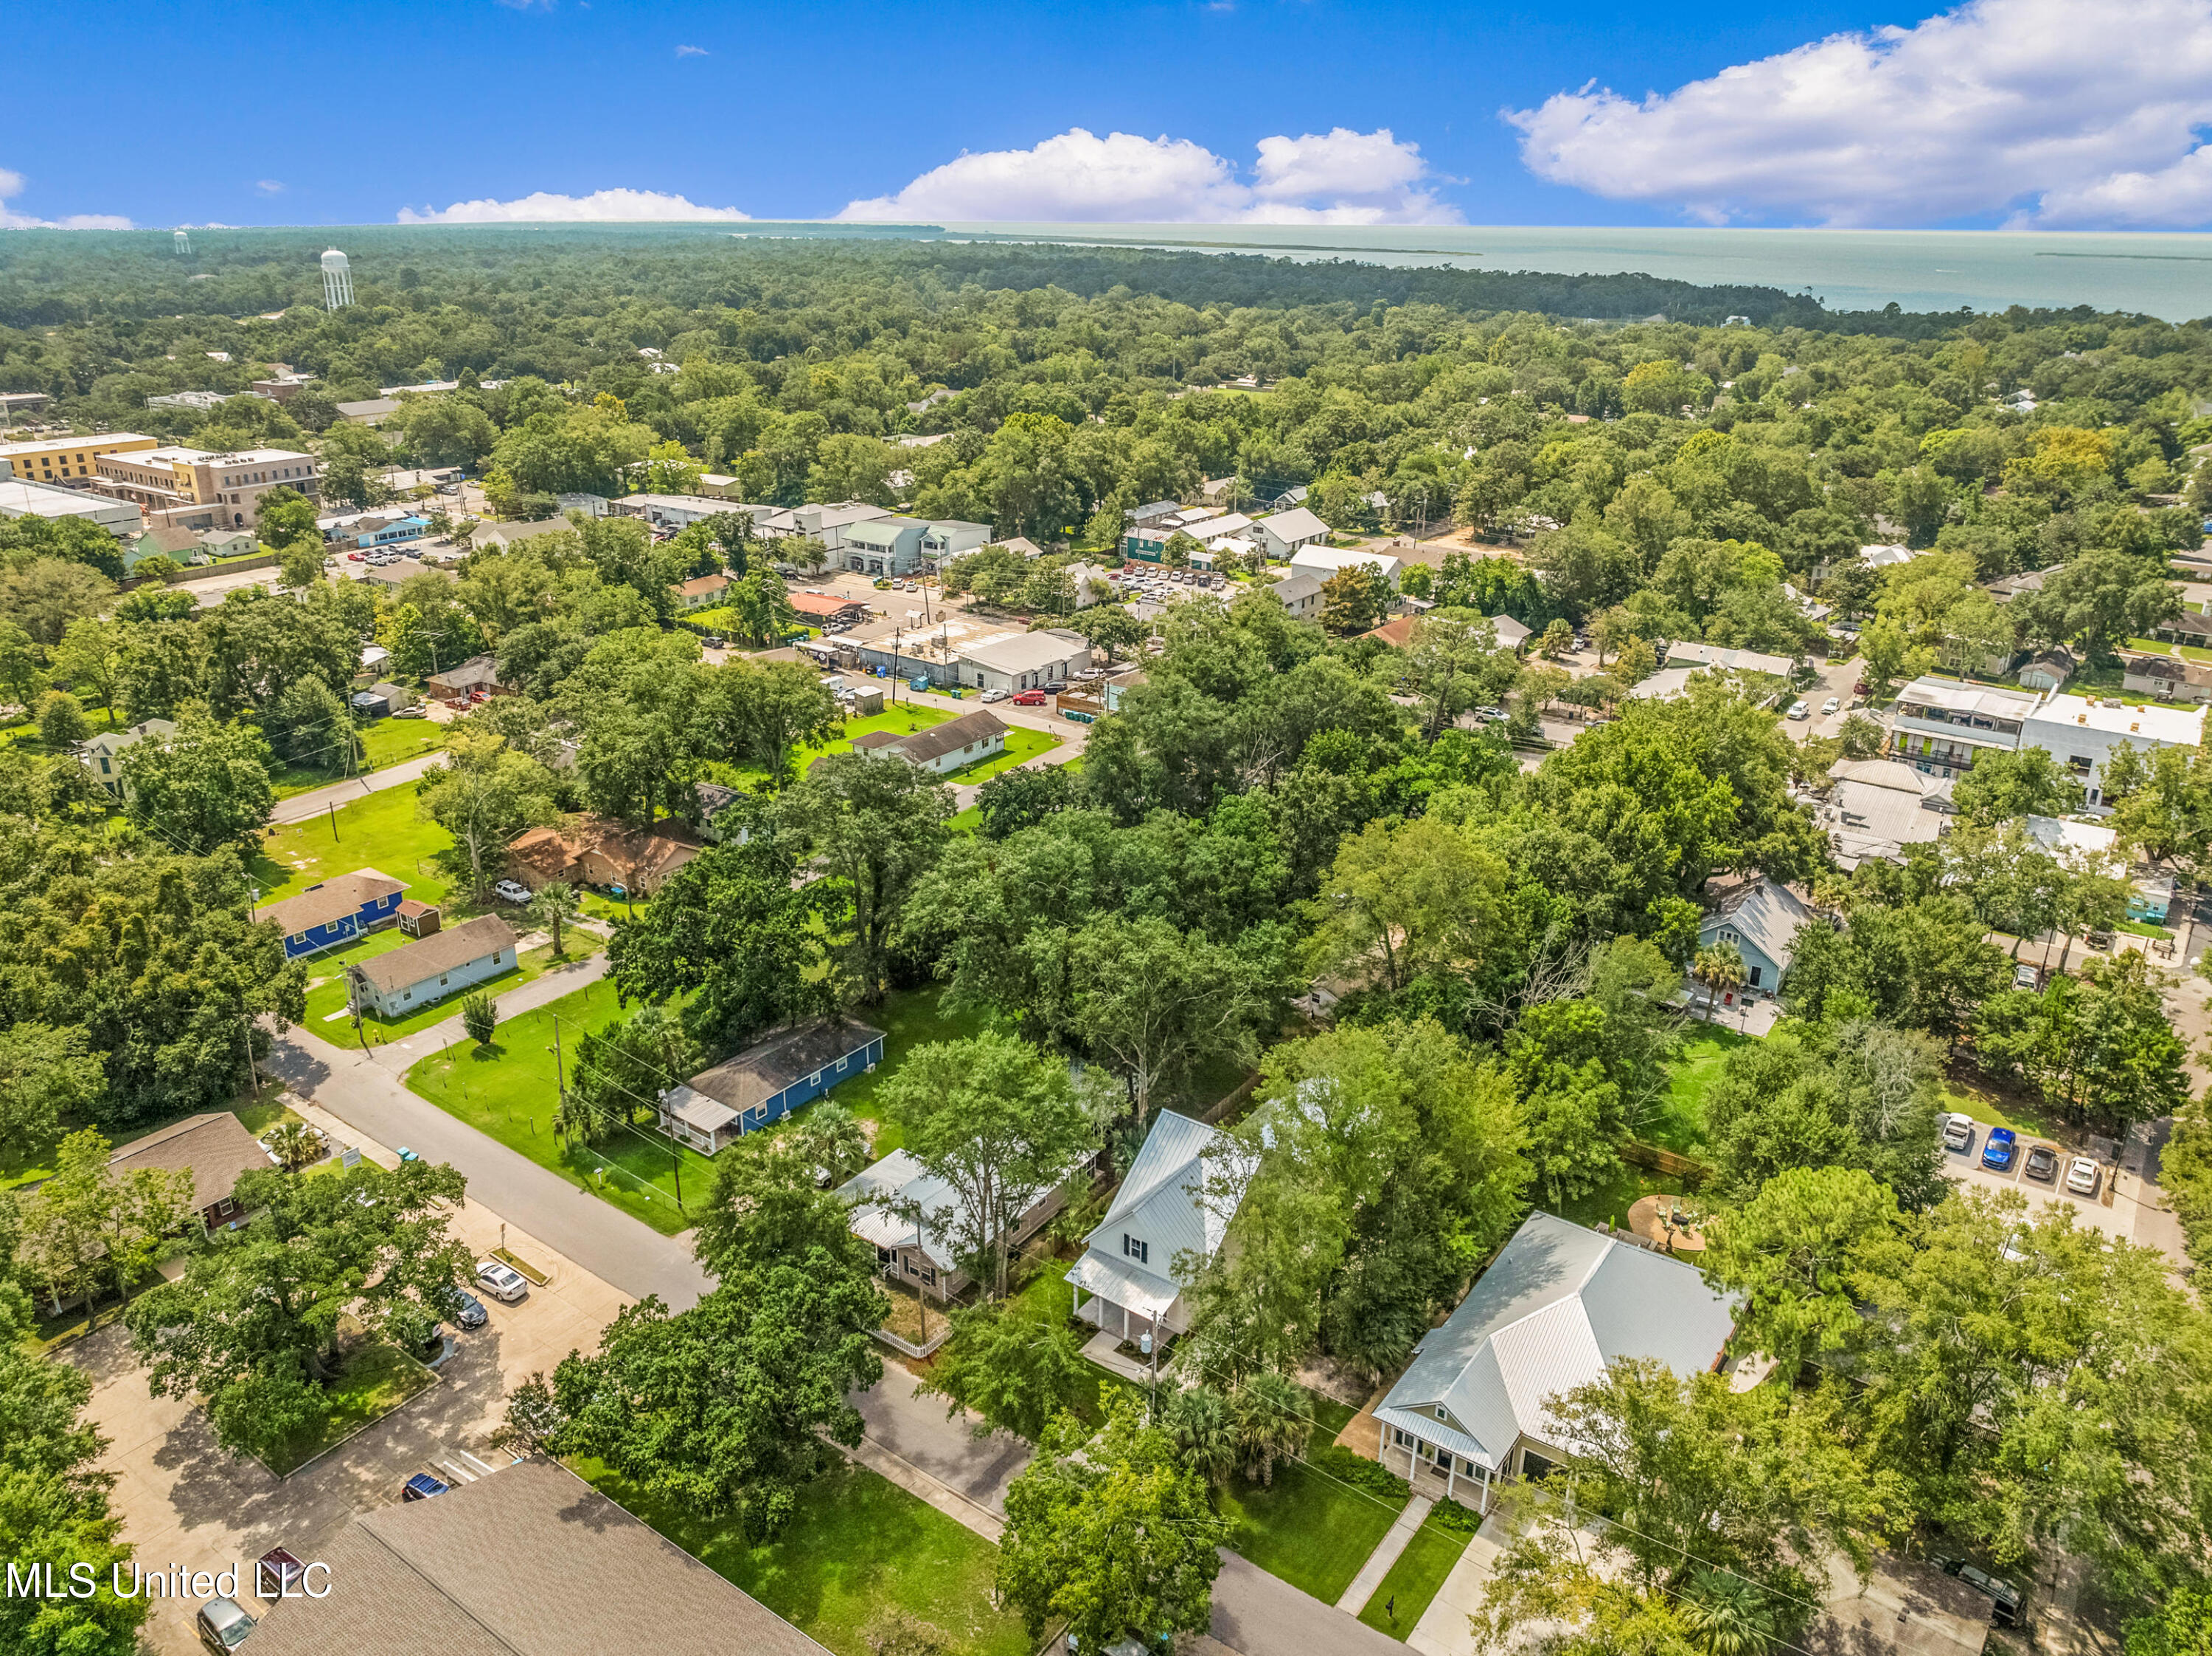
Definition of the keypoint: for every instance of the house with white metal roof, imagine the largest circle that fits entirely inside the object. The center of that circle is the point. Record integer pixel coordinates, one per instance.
(1557, 1306)
(1325, 561)
(1285, 532)
(1759, 923)
(1137, 1263)
(1943, 722)
(906, 1213)
(2082, 732)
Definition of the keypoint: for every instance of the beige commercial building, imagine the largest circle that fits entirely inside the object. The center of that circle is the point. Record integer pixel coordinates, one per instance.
(68, 459)
(180, 486)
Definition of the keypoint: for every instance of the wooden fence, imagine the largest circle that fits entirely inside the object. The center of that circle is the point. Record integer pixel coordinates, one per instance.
(1660, 1160)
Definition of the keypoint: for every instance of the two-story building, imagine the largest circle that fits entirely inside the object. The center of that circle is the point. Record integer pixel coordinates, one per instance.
(1284, 533)
(2083, 732)
(1130, 1281)
(1942, 723)
(104, 750)
(335, 911)
(767, 1081)
(884, 546)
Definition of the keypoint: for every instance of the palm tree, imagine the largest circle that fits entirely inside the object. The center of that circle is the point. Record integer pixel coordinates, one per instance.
(1273, 1421)
(1728, 1615)
(1198, 1424)
(1721, 969)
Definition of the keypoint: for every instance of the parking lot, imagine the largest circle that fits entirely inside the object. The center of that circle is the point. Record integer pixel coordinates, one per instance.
(2121, 1216)
(183, 1500)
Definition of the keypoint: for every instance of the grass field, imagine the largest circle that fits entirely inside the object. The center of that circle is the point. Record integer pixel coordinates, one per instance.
(509, 1092)
(1681, 1124)
(326, 1000)
(379, 831)
(385, 742)
(903, 721)
(857, 1546)
(1412, 1584)
(376, 1378)
(908, 1018)
(1312, 1530)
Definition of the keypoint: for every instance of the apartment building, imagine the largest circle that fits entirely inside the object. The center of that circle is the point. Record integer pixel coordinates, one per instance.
(181, 485)
(68, 459)
(1943, 724)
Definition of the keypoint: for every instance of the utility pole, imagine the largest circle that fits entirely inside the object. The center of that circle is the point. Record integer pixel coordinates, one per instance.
(560, 1077)
(331, 806)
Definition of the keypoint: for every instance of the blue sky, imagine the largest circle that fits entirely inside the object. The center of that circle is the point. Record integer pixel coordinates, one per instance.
(1607, 113)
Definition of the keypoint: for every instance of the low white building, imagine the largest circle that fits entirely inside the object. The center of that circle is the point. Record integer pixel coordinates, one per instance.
(1325, 561)
(1726, 660)
(943, 749)
(1023, 661)
(1285, 532)
(18, 499)
(2082, 732)
(440, 966)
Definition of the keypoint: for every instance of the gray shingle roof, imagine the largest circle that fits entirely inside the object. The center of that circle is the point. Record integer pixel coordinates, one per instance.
(334, 899)
(528, 1562)
(949, 738)
(1556, 1307)
(760, 1072)
(403, 968)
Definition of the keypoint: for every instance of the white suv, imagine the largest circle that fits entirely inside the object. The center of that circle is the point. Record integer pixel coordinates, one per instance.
(1958, 1133)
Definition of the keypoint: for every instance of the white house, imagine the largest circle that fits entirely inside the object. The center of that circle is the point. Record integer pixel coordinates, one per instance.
(1556, 1307)
(1760, 923)
(1943, 722)
(1285, 532)
(1712, 656)
(1022, 661)
(1325, 561)
(943, 749)
(103, 753)
(2082, 732)
(901, 1209)
(1129, 1268)
(442, 965)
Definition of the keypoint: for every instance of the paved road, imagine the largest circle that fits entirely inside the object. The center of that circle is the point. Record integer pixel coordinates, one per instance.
(606, 1241)
(300, 806)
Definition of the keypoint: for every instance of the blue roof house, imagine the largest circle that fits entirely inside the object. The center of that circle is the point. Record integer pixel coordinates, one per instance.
(337, 910)
(1557, 1306)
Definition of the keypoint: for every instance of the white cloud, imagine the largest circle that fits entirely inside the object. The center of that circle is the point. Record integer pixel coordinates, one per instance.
(621, 206)
(691, 52)
(1340, 177)
(269, 186)
(2064, 113)
(11, 184)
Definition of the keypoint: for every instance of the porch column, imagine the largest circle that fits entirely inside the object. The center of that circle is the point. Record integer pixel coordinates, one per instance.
(1451, 1471)
(1413, 1457)
(1486, 1490)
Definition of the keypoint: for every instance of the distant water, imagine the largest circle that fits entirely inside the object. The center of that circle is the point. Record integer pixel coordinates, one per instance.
(2168, 276)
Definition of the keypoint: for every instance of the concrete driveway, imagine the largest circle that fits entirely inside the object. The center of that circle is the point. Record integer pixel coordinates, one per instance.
(185, 1500)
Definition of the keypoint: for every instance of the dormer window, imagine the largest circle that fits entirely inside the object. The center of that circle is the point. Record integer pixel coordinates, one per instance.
(1139, 1251)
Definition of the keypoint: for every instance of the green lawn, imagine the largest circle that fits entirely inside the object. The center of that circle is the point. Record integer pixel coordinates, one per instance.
(329, 996)
(1023, 744)
(908, 1018)
(376, 1378)
(385, 742)
(1309, 1528)
(379, 831)
(1985, 1105)
(903, 719)
(509, 1092)
(1681, 1124)
(857, 1548)
(1611, 1200)
(1412, 1582)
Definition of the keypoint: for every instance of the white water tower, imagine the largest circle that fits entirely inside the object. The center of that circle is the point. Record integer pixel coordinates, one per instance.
(338, 280)
(184, 246)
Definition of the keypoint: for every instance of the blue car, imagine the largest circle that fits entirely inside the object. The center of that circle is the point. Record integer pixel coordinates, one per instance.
(421, 1486)
(1996, 1150)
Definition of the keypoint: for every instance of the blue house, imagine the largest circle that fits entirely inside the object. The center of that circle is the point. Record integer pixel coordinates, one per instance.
(337, 911)
(1759, 923)
(767, 1081)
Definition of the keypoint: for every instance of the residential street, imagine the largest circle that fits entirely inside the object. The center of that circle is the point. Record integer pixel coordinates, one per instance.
(300, 806)
(604, 1241)
(1254, 1613)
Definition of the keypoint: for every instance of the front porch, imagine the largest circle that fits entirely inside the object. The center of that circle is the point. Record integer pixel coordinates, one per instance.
(1104, 1348)
(1441, 1471)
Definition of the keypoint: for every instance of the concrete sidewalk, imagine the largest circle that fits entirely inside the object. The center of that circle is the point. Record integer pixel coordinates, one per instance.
(1387, 1550)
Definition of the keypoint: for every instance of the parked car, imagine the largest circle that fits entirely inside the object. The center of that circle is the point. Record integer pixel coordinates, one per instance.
(464, 1309)
(1996, 1149)
(1831, 705)
(1958, 1132)
(223, 1624)
(996, 695)
(502, 1283)
(1030, 699)
(354, 557)
(421, 1486)
(511, 891)
(1799, 710)
(411, 712)
(2083, 1175)
(2004, 1598)
(2024, 976)
(2042, 1163)
(716, 642)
